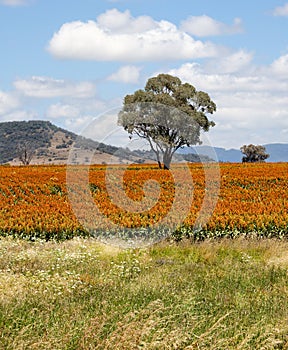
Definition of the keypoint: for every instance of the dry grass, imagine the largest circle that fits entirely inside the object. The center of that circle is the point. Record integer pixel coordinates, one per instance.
(79, 294)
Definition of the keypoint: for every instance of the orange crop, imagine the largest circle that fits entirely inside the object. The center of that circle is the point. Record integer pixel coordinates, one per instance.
(35, 201)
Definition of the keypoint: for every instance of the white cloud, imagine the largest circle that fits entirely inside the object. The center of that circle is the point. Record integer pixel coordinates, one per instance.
(252, 106)
(207, 26)
(126, 74)
(216, 82)
(231, 63)
(7, 102)
(44, 87)
(60, 110)
(122, 22)
(117, 36)
(14, 2)
(281, 10)
(280, 67)
(75, 114)
(77, 124)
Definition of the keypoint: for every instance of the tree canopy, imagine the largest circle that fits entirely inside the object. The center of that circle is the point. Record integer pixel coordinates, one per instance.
(254, 153)
(169, 114)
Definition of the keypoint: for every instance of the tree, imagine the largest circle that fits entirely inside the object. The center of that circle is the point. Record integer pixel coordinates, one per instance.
(254, 153)
(169, 114)
(25, 151)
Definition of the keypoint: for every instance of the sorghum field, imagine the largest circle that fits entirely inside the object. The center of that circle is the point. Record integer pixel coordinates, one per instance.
(61, 289)
(252, 199)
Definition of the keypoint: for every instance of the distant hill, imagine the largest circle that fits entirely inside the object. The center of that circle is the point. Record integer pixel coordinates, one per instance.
(49, 144)
(278, 152)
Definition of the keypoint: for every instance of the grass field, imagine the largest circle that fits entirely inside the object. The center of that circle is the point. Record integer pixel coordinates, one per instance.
(78, 294)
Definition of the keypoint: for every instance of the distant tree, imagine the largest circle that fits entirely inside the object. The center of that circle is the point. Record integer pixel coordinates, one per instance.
(168, 114)
(254, 153)
(26, 151)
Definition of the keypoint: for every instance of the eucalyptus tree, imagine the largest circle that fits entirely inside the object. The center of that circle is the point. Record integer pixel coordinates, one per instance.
(169, 114)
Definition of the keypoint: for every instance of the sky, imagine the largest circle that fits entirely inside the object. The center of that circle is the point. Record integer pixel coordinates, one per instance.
(71, 62)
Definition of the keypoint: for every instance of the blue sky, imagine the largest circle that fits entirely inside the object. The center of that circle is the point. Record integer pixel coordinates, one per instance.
(71, 61)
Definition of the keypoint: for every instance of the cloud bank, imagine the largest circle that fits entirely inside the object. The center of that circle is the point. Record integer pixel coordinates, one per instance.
(117, 36)
(251, 105)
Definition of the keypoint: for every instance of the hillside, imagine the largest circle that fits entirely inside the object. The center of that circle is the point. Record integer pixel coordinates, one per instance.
(46, 143)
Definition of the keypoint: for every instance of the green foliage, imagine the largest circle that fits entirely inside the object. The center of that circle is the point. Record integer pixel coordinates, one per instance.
(56, 189)
(168, 114)
(254, 153)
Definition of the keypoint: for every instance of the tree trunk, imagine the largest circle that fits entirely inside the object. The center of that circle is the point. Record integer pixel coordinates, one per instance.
(167, 157)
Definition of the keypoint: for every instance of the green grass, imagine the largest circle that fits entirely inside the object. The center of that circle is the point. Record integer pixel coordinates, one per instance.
(79, 294)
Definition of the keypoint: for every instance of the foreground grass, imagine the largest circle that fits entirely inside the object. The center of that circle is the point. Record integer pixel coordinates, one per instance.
(230, 294)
